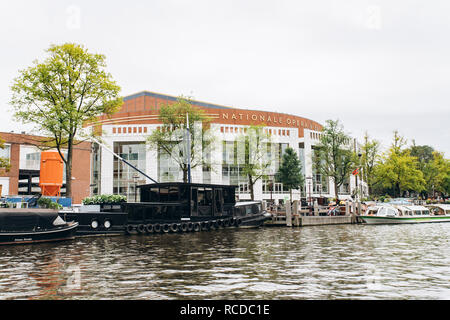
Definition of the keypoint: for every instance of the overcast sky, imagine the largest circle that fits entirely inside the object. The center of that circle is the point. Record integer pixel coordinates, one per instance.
(378, 66)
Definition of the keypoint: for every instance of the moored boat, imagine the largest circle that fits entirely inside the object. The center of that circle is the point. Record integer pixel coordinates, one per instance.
(186, 207)
(397, 214)
(20, 226)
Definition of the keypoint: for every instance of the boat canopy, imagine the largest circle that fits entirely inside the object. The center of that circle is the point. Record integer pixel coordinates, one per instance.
(413, 210)
(27, 219)
(387, 210)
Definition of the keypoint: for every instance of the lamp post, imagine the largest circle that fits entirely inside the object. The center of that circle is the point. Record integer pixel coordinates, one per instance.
(356, 176)
(135, 179)
(309, 182)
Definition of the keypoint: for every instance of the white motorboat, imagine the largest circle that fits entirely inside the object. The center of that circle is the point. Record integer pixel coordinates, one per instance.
(395, 214)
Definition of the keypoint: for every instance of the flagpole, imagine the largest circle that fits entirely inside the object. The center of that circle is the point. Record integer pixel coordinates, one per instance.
(188, 151)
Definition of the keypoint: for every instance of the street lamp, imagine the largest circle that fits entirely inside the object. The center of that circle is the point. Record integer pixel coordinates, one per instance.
(135, 179)
(309, 183)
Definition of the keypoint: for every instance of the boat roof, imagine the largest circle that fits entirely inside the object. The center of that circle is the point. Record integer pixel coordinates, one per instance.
(168, 184)
(412, 208)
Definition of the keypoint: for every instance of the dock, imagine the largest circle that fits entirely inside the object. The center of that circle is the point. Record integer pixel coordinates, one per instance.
(317, 216)
(302, 221)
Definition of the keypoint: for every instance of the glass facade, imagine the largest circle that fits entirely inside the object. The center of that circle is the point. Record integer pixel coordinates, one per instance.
(126, 178)
(168, 169)
(96, 169)
(5, 152)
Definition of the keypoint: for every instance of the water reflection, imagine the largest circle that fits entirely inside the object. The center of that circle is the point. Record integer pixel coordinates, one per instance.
(327, 262)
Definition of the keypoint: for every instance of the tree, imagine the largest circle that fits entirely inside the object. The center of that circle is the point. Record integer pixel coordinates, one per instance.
(171, 137)
(290, 171)
(435, 174)
(252, 148)
(424, 154)
(61, 94)
(333, 156)
(369, 155)
(398, 170)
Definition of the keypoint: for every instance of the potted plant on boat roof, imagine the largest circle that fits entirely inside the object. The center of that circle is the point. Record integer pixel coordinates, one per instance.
(104, 202)
(48, 203)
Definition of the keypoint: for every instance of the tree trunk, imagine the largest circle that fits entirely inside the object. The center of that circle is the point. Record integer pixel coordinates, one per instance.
(185, 175)
(251, 183)
(336, 192)
(69, 168)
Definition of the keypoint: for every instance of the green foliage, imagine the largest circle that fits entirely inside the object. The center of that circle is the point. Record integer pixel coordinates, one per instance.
(105, 199)
(398, 170)
(436, 173)
(333, 157)
(48, 203)
(61, 94)
(369, 156)
(290, 171)
(171, 138)
(254, 151)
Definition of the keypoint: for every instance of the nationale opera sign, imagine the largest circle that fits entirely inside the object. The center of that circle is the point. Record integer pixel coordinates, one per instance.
(269, 119)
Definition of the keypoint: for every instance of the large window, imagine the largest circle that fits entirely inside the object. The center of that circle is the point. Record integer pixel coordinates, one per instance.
(168, 169)
(345, 187)
(126, 178)
(320, 185)
(5, 152)
(96, 169)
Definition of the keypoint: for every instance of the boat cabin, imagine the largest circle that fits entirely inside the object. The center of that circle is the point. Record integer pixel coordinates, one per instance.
(413, 211)
(181, 201)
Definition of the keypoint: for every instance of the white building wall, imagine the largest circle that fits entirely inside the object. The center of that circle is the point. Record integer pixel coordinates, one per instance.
(310, 139)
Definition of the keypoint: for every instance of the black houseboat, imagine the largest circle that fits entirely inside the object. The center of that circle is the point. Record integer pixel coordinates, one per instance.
(18, 226)
(185, 207)
(171, 207)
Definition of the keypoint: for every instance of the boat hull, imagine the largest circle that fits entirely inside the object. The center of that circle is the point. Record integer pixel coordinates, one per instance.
(97, 223)
(403, 220)
(27, 237)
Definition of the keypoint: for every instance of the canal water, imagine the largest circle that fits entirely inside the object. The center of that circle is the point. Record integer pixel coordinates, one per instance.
(322, 262)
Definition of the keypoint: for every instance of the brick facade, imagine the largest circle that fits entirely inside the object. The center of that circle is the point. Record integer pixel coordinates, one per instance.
(80, 169)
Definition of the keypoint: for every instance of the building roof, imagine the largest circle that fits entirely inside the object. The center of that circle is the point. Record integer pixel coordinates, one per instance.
(173, 98)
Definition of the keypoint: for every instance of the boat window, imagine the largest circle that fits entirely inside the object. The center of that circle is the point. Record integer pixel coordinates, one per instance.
(154, 195)
(208, 197)
(218, 197)
(248, 209)
(194, 202)
(201, 196)
(417, 212)
(425, 212)
(173, 193)
(228, 195)
(163, 194)
(391, 211)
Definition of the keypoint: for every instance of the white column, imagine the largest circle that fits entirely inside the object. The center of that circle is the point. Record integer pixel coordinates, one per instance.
(107, 169)
(216, 157)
